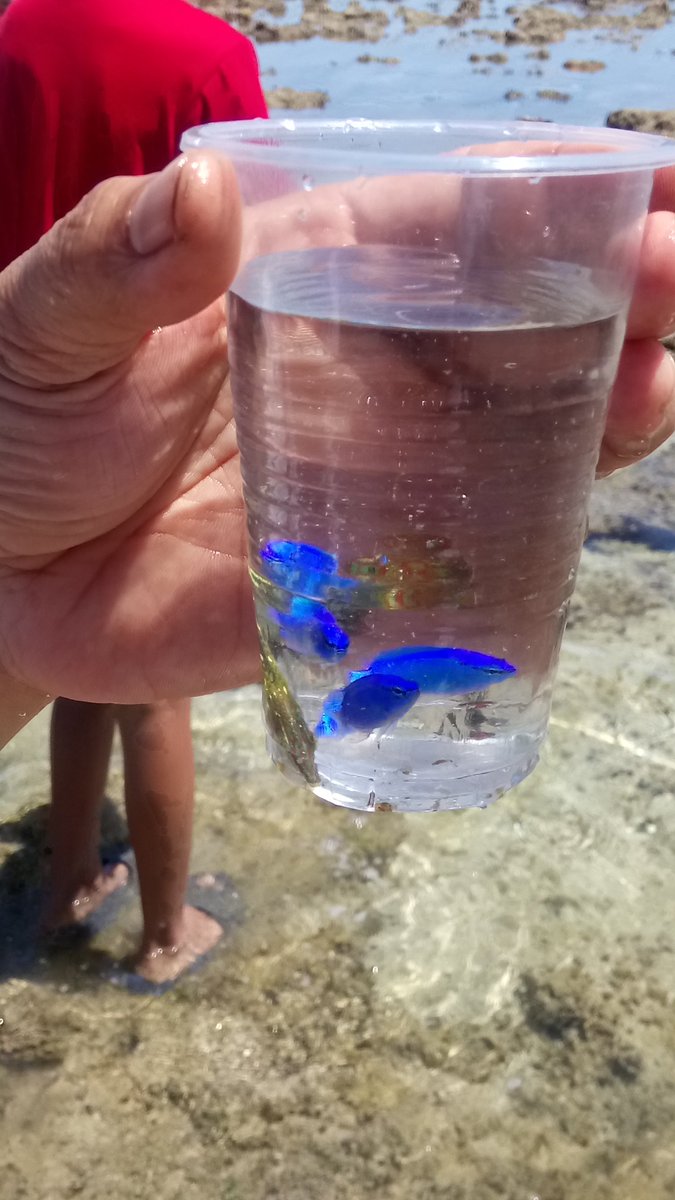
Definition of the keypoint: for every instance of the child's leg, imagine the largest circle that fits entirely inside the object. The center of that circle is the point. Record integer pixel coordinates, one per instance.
(81, 741)
(159, 792)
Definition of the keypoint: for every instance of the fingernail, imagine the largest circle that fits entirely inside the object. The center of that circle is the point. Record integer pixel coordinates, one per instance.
(652, 438)
(151, 225)
(632, 449)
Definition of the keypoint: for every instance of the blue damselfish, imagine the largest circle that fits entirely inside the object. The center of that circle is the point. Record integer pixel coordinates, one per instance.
(310, 628)
(445, 670)
(368, 702)
(299, 566)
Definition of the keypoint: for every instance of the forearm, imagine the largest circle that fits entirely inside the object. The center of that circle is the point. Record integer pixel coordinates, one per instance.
(18, 705)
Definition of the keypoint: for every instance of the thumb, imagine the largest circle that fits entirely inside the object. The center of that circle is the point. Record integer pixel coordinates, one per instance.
(133, 255)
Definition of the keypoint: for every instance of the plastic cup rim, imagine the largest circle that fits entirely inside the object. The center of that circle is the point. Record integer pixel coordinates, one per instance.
(242, 141)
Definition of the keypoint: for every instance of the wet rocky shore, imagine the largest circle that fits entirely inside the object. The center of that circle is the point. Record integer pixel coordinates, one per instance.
(472, 1006)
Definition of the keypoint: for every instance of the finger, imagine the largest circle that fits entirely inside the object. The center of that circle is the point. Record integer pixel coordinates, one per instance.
(408, 210)
(530, 149)
(652, 312)
(642, 406)
(134, 255)
(663, 191)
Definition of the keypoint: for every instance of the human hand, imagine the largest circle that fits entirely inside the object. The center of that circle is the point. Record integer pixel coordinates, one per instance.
(122, 544)
(122, 548)
(642, 408)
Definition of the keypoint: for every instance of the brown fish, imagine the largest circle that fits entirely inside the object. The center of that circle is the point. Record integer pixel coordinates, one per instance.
(413, 571)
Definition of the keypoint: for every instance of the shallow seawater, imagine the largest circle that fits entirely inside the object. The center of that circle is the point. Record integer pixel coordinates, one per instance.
(435, 77)
(467, 1006)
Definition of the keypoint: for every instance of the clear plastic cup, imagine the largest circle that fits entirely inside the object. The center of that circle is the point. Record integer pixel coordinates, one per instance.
(424, 333)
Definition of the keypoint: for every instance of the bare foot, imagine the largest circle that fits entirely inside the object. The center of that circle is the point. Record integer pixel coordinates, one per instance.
(84, 901)
(199, 934)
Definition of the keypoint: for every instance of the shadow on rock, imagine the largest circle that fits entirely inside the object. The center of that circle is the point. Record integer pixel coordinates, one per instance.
(639, 533)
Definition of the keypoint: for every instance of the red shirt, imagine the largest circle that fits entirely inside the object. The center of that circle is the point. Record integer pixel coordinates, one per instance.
(95, 88)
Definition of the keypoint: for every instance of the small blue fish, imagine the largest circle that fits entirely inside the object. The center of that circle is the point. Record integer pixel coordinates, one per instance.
(447, 670)
(299, 566)
(366, 703)
(310, 628)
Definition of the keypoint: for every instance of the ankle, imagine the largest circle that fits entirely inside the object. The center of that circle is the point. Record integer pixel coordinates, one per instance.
(163, 937)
